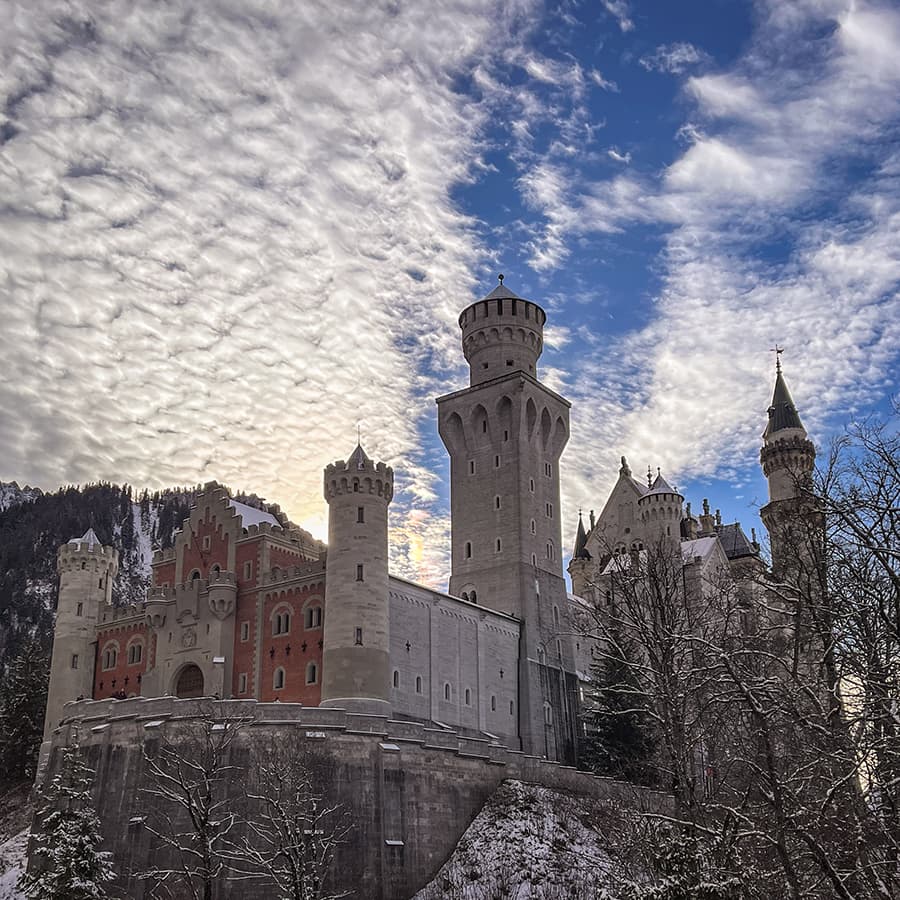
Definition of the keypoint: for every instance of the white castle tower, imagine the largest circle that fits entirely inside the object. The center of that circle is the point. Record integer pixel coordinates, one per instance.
(356, 651)
(505, 434)
(86, 572)
(661, 510)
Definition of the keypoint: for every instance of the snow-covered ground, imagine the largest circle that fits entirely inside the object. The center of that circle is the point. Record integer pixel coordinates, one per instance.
(11, 493)
(527, 843)
(12, 864)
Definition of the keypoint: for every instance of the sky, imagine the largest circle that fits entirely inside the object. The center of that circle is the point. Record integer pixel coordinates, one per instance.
(233, 232)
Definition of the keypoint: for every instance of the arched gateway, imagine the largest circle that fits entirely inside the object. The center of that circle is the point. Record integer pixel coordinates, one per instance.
(189, 683)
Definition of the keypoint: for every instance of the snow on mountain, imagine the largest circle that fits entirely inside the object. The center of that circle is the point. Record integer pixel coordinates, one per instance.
(11, 493)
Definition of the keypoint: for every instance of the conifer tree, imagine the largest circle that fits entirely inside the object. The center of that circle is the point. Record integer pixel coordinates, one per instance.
(66, 862)
(23, 701)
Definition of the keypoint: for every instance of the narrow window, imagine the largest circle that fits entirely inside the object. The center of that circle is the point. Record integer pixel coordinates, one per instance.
(312, 673)
(135, 653)
(396, 679)
(556, 616)
(548, 714)
(472, 597)
(533, 560)
(360, 514)
(447, 691)
(355, 487)
(79, 610)
(245, 632)
(471, 466)
(313, 617)
(484, 427)
(468, 697)
(506, 435)
(498, 545)
(558, 648)
(206, 542)
(468, 552)
(531, 485)
(418, 684)
(248, 571)
(533, 527)
(497, 502)
(512, 708)
(84, 565)
(100, 583)
(493, 703)
(74, 660)
(496, 462)
(278, 680)
(359, 637)
(359, 572)
(242, 683)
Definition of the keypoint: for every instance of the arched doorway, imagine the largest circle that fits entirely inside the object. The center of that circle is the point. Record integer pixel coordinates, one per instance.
(190, 683)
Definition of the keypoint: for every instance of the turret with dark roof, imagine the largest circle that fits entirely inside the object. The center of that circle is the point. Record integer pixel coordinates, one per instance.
(581, 551)
(782, 413)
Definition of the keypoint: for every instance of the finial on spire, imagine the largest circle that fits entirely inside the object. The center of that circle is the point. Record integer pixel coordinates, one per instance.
(500, 278)
(705, 507)
(649, 477)
(358, 435)
(777, 351)
(625, 470)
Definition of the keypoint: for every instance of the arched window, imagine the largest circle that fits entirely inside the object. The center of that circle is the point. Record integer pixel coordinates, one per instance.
(447, 693)
(312, 617)
(312, 673)
(465, 595)
(135, 653)
(215, 570)
(418, 684)
(278, 679)
(110, 656)
(195, 575)
(473, 597)
(396, 678)
(548, 713)
(281, 622)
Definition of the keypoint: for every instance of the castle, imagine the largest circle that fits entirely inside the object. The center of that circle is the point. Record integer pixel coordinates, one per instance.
(248, 606)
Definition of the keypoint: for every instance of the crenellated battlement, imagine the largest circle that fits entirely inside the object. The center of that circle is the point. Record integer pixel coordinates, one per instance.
(161, 556)
(80, 554)
(359, 476)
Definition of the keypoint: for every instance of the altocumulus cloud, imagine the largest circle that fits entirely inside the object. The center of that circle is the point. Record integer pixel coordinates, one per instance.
(226, 237)
(770, 143)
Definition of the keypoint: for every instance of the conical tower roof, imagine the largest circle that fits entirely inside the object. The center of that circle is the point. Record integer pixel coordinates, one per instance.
(89, 538)
(581, 551)
(782, 413)
(358, 459)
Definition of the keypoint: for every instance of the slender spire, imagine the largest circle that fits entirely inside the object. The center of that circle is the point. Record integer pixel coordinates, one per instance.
(782, 413)
(581, 551)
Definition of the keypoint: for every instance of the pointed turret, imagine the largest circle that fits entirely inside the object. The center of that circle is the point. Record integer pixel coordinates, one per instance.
(581, 551)
(787, 458)
(783, 414)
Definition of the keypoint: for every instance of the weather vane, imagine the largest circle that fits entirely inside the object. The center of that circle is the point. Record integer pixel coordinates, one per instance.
(500, 278)
(777, 351)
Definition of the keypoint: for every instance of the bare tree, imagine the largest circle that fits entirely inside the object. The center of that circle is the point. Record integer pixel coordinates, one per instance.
(294, 824)
(192, 812)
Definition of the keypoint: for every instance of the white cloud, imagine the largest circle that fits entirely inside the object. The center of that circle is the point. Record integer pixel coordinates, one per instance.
(619, 10)
(602, 82)
(674, 58)
(614, 154)
(227, 238)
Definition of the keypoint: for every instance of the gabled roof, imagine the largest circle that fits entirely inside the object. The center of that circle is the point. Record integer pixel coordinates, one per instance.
(250, 515)
(782, 413)
(734, 541)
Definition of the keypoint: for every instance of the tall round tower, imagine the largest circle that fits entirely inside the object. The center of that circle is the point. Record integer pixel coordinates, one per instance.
(502, 334)
(661, 512)
(86, 572)
(356, 653)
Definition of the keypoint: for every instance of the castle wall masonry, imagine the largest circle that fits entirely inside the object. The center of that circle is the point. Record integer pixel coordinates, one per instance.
(410, 790)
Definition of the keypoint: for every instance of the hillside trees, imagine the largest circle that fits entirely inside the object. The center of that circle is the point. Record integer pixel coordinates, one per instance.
(23, 700)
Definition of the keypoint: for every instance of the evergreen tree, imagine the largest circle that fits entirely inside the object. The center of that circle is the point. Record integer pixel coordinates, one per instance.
(66, 862)
(23, 700)
(619, 738)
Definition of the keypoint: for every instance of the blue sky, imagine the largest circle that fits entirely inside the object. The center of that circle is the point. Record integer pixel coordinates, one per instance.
(230, 232)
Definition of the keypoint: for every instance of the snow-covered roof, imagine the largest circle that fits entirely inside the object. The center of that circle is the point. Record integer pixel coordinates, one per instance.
(701, 547)
(89, 538)
(252, 516)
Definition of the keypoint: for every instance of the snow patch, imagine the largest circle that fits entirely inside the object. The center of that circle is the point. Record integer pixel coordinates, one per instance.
(12, 865)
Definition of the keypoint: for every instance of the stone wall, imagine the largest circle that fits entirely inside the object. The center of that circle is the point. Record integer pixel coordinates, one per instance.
(410, 791)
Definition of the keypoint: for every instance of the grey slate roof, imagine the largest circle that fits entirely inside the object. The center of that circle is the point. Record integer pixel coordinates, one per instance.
(734, 541)
(782, 413)
(501, 292)
(581, 551)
